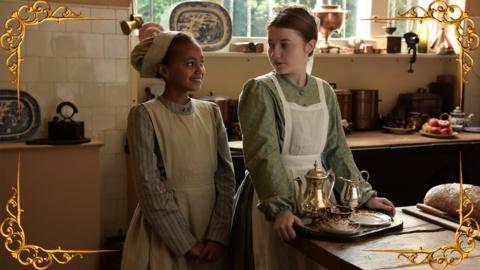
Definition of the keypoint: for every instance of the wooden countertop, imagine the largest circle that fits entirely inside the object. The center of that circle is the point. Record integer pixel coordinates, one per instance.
(415, 233)
(23, 145)
(377, 138)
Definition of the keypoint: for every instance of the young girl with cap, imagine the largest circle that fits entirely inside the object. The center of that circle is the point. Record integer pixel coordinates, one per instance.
(289, 120)
(183, 168)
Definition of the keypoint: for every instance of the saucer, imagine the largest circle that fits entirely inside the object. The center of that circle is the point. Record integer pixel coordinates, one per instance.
(350, 230)
(371, 218)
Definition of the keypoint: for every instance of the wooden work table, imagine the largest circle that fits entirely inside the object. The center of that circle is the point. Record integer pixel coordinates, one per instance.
(416, 233)
(376, 138)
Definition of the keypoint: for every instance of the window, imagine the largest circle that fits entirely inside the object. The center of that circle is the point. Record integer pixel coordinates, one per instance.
(397, 7)
(250, 17)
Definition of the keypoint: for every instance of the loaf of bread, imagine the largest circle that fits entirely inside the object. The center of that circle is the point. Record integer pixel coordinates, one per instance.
(446, 197)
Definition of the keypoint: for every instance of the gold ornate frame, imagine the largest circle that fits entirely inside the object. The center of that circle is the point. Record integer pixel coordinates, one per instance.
(15, 238)
(15, 26)
(11, 228)
(468, 227)
(446, 14)
(41, 11)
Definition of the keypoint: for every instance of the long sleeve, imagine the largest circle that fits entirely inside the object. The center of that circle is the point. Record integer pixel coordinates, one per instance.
(262, 146)
(156, 201)
(219, 227)
(337, 155)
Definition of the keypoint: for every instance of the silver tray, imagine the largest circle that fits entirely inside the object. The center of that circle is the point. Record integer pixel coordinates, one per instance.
(312, 231)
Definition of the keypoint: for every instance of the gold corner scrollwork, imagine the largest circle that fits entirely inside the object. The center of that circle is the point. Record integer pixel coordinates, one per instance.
(446, 14)
(16, 240)
(468, 227)
(452, 254)
(11, 228)
(15, 27)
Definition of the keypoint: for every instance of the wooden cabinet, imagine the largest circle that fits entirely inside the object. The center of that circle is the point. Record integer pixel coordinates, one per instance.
(404, 167)
(60, 195)
(405, 174)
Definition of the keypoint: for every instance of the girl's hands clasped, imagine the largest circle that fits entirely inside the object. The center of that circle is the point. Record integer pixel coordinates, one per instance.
(283, 226)
(212, 251)
(206, 251)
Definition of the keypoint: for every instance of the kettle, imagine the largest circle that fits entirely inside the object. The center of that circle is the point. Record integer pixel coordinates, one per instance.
(316, 198)
(352, 191)
(457, 118)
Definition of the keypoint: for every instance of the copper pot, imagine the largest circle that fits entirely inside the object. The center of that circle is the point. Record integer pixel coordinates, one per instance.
(223, 103)
(332, 18)
(344, 97)
(365, 109)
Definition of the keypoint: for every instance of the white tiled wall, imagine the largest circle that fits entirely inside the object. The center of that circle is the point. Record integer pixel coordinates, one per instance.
(85, 62)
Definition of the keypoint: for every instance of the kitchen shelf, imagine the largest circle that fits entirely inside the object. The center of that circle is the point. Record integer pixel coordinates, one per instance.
(335, 55)
(24, 146)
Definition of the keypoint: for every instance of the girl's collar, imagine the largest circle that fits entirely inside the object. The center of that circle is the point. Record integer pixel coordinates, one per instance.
(285, 79)
(175, 107)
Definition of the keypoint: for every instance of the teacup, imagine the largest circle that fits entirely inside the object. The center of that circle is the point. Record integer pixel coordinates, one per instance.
(338, 218)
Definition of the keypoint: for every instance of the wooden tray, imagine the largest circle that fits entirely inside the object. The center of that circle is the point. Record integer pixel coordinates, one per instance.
(363, 232)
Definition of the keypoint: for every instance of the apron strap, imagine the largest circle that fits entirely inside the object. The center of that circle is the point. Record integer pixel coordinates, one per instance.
(326, 116)
(286, 113)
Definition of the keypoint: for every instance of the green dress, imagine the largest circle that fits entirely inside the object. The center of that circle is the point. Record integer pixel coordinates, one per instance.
(262, 122)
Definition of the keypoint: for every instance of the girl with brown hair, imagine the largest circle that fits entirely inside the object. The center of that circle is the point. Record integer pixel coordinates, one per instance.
(289, 120)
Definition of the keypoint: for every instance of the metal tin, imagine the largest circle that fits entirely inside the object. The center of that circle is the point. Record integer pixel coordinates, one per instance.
(365, 108)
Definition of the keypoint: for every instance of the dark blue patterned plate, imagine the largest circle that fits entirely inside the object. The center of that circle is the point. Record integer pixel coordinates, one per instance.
(15, 126)
(209, 22)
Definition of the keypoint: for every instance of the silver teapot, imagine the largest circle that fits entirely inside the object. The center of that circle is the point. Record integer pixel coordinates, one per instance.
(316, 198)
(457, 118)
(352, 190)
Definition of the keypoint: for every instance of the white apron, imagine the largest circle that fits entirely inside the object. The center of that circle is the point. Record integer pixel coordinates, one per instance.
(188, 145)
(306, 131)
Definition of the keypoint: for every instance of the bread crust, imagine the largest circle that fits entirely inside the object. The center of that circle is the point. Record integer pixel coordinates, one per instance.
(446, 197)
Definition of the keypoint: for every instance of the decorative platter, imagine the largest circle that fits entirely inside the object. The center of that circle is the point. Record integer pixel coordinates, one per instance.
(399, 130)
(15, 126)
(440, 136)
(209, 22)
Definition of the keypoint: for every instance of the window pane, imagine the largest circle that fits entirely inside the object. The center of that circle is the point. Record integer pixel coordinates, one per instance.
(152, 10)
(260, 10)
(308, 3)
(239, 16)
(397, 7)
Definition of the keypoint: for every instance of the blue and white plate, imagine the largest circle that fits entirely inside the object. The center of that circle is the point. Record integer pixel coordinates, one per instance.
(15, 126)
(209, 22)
